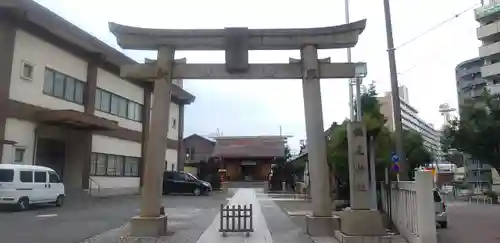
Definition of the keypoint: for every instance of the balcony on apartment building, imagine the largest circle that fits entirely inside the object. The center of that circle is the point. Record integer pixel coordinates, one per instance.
(490, 32)
(488, 11)
(491, 71)
(490, 52)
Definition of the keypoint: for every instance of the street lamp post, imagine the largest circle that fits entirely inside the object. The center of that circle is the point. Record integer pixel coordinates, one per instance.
(403, 167)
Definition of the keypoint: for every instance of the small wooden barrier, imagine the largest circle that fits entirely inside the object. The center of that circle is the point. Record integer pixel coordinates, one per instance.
(236, 219)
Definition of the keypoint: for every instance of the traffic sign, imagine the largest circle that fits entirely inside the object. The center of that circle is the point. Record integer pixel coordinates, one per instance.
(394, 157)
(395, 160)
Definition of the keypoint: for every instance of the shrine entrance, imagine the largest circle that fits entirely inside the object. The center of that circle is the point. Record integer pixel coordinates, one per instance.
(236, 42)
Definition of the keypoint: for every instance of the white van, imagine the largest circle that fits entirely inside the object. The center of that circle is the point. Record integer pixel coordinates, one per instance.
(23, 185)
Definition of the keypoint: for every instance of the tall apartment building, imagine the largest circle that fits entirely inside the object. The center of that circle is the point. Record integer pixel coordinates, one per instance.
(64, 105)
(488, 33)
(470, 83)
(411, 121)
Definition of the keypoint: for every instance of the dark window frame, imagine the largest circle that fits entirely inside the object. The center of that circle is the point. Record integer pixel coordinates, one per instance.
(23, 155)
(130, 104)
(119, 169)
(65, 77)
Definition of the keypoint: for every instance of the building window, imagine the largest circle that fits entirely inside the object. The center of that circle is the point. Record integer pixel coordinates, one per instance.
(174, 123)
(27, 70)
(116, 105)
(63, 86)
(114, 165)
(101, 165)
(131, 167)
(19, 155)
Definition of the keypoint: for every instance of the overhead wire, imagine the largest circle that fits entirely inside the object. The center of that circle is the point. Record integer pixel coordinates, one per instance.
(436, 26)
(415, 65)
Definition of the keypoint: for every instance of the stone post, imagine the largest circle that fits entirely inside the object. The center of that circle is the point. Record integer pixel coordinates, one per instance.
(425, 207)
(359, 180)
(354, 222)
(151, 222)
(316, 142)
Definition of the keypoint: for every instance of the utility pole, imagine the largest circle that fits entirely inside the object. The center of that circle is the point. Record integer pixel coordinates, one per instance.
(396, 104)
(349, 59)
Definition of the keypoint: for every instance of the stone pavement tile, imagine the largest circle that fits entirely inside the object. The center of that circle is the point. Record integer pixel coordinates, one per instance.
(283, 230)
(324, 240)
(261, 232)
(185, 225)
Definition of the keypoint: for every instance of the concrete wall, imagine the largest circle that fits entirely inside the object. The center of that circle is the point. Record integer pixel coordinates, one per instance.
(109, 145)
(23, 132)
(171, 158)
(41, 54)
(191, 169)
(107, 185)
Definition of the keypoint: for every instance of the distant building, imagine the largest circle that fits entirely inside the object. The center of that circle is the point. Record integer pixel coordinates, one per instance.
(249, 158)
(411, 121)
(198, 149)
(477, 175)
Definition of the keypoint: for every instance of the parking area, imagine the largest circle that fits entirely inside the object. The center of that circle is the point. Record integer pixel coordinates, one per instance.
(470, 223)
(80, 220)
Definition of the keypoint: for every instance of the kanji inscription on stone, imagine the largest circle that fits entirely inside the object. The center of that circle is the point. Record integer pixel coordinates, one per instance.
(359, 150)
(359, 167)
(361, 187)
(357, 132)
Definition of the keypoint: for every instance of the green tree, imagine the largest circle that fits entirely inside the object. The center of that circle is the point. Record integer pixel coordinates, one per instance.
(416, 154)
(454, 157)
(477, 132)
(374, 120)
(337, 144)
(288, 153)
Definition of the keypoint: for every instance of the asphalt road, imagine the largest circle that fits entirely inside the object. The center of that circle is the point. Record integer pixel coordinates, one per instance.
(474, 223)
(79, 220)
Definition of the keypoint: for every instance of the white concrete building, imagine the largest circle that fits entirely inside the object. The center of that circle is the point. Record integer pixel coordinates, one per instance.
(63, 104)
(488, 33)
(411, 121)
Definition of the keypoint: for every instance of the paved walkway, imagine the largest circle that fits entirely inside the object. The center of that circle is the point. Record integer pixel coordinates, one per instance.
(261, 232)
(200, 223)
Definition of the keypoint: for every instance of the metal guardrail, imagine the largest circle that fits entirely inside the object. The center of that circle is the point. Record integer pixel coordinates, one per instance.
(92, 181)
(236, 219)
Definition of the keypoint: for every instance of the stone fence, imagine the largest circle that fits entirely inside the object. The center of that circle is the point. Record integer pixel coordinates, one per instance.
(411, 207)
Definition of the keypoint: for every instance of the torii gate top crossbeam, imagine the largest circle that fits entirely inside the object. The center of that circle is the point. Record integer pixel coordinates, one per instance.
(341, 36)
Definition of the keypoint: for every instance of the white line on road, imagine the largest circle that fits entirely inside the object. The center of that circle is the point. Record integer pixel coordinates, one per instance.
(46, 215)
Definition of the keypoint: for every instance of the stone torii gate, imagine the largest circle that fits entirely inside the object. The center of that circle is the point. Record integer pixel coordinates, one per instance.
(236, 42)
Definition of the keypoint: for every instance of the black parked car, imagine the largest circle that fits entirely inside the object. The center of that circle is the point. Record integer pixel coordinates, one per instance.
(182, 182)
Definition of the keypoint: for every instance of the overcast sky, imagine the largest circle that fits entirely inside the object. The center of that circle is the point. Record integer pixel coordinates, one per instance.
(242, 107)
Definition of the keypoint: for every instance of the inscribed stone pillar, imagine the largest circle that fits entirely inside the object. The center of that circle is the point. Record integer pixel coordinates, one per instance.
(316, 143)
(359, 179)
